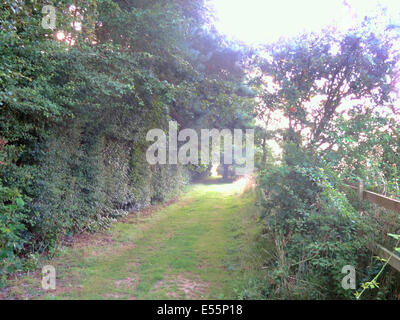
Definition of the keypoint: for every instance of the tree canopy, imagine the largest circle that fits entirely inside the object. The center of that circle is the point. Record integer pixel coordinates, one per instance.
(76, 104)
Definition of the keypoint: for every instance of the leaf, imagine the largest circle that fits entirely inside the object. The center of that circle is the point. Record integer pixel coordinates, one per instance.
(20, 203)
(380, 259)
(395, 236)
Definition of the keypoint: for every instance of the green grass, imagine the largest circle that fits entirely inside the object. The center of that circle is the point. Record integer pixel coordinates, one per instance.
(204, 246)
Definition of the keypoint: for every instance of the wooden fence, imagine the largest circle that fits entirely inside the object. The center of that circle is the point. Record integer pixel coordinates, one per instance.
(387, 203)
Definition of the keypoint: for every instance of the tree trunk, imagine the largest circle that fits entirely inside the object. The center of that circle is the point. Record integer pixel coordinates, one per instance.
(225, 174)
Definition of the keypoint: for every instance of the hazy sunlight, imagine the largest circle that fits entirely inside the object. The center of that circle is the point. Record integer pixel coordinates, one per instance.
(259, 21)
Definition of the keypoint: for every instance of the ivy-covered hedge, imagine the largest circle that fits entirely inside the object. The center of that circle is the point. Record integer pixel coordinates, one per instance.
(74, 113)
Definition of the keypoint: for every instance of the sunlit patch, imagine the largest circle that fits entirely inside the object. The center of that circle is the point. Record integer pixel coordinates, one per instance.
(226, 188)
(260, 21)
(60, 35)
(70, 41)
(214, 170)
(77, 26)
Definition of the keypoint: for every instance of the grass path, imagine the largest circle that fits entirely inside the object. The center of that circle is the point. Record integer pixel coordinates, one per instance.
(201, 247)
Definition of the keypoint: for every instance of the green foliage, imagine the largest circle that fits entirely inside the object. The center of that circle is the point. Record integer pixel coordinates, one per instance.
(74, 114)
(11, 223)
(368, 150)
(312, 75)
(315, 228)
(335, 92)
(373, 284)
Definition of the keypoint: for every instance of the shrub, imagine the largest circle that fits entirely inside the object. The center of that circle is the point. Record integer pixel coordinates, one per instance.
(315, 228)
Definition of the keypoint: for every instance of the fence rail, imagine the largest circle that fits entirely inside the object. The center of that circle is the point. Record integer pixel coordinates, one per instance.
(387, 203)
(381, 200)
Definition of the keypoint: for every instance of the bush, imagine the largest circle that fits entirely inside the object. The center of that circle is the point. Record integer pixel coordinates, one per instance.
(315, 229)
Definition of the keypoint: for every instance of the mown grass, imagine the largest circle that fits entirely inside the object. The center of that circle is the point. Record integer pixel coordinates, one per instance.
(204, 246)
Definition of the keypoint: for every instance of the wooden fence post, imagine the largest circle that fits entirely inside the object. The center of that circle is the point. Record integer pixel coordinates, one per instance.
(361, 190)
(387, 203)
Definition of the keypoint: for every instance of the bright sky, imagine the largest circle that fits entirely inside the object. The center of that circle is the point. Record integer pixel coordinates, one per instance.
(260, 21)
